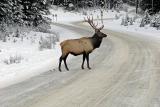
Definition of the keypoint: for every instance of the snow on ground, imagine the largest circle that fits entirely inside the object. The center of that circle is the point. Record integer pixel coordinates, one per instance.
(146, 31)
(64, 16)
(110, 22)
(22, 60)
(29, 60)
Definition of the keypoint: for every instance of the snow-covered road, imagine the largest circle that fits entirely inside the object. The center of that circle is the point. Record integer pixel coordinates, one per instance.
(125, 73)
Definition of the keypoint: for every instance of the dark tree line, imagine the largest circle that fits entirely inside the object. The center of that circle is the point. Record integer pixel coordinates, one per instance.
(130, 2)
(31, 12)
(152, 5)
(90, 3)
(23, 12)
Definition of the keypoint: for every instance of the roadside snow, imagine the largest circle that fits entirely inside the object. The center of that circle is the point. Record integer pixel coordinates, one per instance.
(145, 31)
(110, 22)
(30, 60)
(66, 17)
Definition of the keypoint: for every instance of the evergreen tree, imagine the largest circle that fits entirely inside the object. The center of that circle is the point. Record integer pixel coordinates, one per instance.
(148, 4)
(33, 11)
(5, 10)
(29, 12)
(16, 12)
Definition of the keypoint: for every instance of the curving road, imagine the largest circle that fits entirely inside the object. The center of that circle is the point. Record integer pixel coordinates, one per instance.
(125, 73)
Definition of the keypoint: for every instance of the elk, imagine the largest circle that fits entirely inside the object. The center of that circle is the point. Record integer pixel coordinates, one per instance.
(82, 46)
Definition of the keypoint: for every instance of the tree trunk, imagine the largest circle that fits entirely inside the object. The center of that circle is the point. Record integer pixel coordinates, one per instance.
(137, 2)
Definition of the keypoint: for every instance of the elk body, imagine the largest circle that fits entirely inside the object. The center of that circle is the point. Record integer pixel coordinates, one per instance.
(82, 46)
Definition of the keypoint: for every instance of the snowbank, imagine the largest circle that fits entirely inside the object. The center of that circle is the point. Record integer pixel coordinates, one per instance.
(66, 17)
(143, 31)
(29, 60)
(112, 23)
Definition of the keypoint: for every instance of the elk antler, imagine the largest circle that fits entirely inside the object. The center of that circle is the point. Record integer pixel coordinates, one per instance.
(90, 21)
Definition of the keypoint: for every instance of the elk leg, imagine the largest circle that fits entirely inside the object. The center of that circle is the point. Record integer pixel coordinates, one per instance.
(84, 55)
(65, 62)
(60, 61)
(87, 57)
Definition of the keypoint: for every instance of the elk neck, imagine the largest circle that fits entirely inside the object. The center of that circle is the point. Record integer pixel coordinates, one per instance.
(96, 41)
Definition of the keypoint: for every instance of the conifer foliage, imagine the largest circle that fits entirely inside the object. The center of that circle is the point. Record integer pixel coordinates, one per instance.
(23, 12)
(152, 5)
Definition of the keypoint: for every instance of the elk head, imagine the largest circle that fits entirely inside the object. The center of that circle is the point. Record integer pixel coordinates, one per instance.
(94, 26)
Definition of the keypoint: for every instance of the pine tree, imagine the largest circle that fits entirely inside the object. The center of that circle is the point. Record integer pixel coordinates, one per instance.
(5, 10)
(17, 13)
(33, 11)
(147, 4)
(29, 12)
(146, 19)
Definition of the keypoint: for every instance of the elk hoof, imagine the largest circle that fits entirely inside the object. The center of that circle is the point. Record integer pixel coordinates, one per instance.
(60, 70)
(89, 67)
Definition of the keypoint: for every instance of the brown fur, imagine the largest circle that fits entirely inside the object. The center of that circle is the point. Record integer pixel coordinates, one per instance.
(76, 46)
